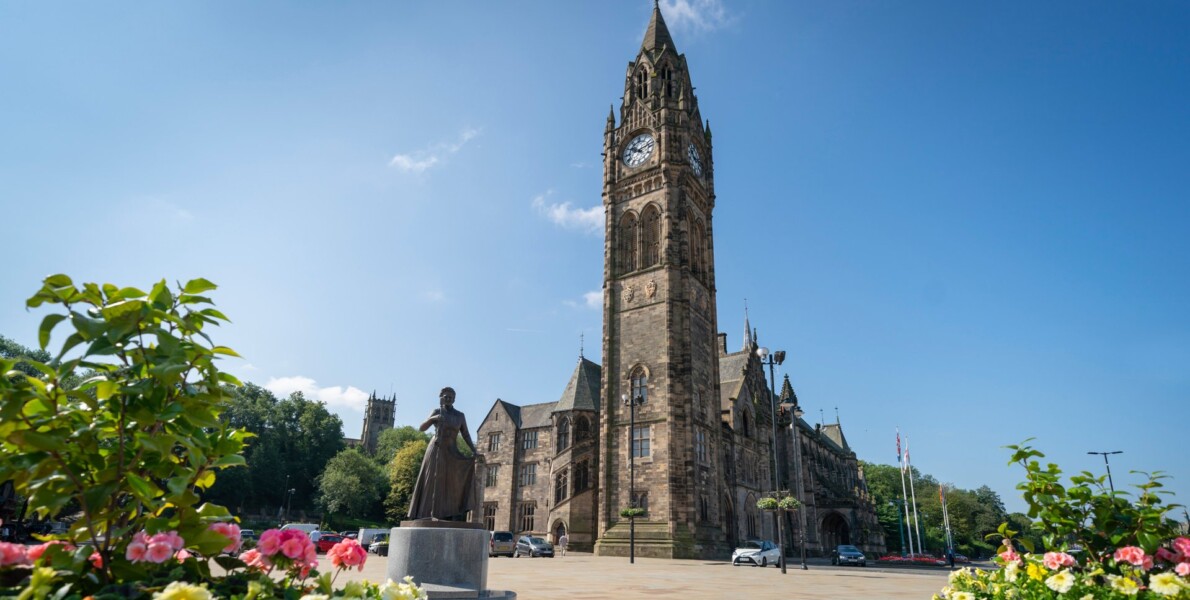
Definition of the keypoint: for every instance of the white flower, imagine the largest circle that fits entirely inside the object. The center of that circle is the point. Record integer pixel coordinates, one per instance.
(182, 591)
(316, 597)
(1011, 570)
(1060, 582)
(1166, 584)
(963, 596)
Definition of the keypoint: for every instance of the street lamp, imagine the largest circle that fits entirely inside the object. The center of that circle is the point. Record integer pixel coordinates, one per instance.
(289, 502)
(1105, 463)
(797, 472)
(632, 404)
(775, 359)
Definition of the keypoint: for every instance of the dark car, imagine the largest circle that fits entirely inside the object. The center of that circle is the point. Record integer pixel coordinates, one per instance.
(502, 543)
(846, 554)
(327, 541)
(532, 546)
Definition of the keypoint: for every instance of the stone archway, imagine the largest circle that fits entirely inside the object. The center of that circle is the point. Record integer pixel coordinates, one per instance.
(834, 531)
(558, 530)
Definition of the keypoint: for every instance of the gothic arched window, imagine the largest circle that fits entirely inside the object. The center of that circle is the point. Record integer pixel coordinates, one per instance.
(667, 82)
(582, 429)
(698, 251)
(560, 490)
(642, 82)
(650, 236)
(563, 434)
(627, 249)
(640, 385)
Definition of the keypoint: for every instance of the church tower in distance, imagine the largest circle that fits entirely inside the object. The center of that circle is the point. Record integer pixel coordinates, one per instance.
(659, 317)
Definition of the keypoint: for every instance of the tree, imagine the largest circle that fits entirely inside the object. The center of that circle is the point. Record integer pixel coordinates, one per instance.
(402, 475)
(352, 484)
(392, 440)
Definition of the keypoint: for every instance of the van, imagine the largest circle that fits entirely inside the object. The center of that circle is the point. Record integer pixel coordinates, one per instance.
(368, 534)
(307, 528)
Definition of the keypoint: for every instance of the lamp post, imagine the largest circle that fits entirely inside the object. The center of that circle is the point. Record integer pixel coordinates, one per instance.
(632, 403)
(797, 472)
(289, 502)
(773, 360)
(1105, 463)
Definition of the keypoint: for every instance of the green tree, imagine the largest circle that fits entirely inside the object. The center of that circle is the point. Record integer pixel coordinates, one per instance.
(352, 484)
(402, 475)
(390, 441)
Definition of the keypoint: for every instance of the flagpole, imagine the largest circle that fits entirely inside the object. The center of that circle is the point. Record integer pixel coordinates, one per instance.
(916, 521)
(904, 493)
(946, 520)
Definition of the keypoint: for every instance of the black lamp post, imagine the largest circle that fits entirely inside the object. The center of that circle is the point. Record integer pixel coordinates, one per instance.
(289, 503)
(1105, 463)
(632, 404)
(797, 462)
(773, 360)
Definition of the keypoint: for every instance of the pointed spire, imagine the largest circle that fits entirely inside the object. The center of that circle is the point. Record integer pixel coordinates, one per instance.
(611, 117)
(707, 129)
(747, 329)
(788, 396)
(657, 35)
(580, 347)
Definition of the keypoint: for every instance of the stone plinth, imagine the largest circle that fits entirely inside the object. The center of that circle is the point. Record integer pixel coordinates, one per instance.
(449, 560)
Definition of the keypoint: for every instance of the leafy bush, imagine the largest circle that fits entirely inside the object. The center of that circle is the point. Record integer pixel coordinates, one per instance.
(124, 420)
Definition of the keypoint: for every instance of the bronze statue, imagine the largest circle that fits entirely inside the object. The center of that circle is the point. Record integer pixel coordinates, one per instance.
(444, 490)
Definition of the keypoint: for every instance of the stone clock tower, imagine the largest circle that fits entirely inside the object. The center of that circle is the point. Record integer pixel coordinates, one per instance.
(659, 324)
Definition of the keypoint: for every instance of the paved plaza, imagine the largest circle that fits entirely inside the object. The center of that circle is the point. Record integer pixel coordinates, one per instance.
(585, 576)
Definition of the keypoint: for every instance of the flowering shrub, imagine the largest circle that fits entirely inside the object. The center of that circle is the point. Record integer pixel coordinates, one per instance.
(125, 421)
(1101, 545)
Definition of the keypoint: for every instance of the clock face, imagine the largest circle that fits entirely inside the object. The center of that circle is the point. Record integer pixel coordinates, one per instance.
(695, 161)
(638, 150)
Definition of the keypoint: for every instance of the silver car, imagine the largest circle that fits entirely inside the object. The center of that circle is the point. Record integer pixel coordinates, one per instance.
(532, 547)
(757, 552)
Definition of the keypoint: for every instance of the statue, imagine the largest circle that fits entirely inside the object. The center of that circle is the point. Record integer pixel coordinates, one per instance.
(444, 490)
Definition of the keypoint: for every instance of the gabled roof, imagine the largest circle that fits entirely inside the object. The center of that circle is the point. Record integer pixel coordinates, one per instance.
(835, 433)
(536, 415)
(514, 411)
(731, 375)
(582, 392)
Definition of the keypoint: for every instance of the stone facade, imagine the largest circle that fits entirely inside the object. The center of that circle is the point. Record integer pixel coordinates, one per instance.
(380, 414)
(701, 441)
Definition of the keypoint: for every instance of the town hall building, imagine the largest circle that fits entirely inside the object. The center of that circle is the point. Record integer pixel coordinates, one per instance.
(672, 422)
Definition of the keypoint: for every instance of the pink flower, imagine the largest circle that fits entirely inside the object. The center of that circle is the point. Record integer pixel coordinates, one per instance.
(348, 553)
(168, 538)
(1131, 555)
(1166, 555)
(255, 560)
(136, 551)
(1009, 555)
(13, 554)
(159, 552)
(293, 548)
(96, 560)
(182, 555)
(1055, 560)
(231, 531)
(35, 552)
(269, 542)
(1182, 569)
(1182, 545)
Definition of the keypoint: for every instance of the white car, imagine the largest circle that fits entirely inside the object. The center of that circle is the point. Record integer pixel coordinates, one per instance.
(757, 552)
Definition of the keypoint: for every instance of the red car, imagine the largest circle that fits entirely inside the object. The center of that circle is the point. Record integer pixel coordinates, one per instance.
(327, 540)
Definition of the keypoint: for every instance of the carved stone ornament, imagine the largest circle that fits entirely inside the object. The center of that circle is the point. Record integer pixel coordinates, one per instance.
(651, 289)
(629, 293)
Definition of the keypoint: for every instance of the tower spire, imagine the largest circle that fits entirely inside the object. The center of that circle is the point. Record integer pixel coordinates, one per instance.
(748, 341)
(657, 35)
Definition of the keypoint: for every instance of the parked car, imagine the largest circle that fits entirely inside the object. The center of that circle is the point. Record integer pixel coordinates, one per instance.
(327, 541)
(247, 534)
(379, 545)
(757, 552)
(532, 546)
(846, 554)
(308, 528)
(351, 535)
(502, 543)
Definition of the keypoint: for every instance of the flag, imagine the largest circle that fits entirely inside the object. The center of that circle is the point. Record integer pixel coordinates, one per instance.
(898, 445)
(905, 463)
(941, 495)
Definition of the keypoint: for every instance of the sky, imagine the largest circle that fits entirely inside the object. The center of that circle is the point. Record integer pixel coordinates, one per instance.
(967, 220)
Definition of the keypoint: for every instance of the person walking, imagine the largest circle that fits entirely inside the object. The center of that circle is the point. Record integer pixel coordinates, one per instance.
(562, 541)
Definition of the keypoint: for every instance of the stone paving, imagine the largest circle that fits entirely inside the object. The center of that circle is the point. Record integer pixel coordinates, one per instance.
(581, 576)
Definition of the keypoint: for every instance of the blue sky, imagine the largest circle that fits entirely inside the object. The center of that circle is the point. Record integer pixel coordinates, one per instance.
(968, 220)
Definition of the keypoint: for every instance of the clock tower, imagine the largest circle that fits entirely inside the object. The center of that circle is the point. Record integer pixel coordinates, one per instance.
(659, 317)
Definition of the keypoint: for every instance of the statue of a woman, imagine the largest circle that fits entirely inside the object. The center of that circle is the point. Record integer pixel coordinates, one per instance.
(444, 489)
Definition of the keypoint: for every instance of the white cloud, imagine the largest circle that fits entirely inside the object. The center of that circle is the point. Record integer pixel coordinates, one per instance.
(335, 397)
(592, 300)
(695, 15)
(419, 161)
(565, 215)
(435, 295)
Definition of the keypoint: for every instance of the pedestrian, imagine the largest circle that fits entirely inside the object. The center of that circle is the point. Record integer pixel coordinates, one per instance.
(562, 541)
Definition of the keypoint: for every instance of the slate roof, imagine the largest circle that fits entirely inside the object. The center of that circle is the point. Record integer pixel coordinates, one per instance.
(582, 393)
(536, 415)
(731, 375)
(657, 35)
(834, 433)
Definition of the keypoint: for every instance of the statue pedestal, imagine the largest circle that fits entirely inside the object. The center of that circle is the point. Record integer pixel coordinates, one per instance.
(449, 559)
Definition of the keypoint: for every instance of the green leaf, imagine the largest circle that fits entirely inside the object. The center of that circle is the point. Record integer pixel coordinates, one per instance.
(225, 351)
(104, 389)
(144, 490)
(37, 441)
(231, 460)
(198, 286)
(47, 325)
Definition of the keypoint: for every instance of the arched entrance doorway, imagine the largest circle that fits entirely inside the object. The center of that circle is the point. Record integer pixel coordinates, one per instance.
(835, 531)
(559, 529)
